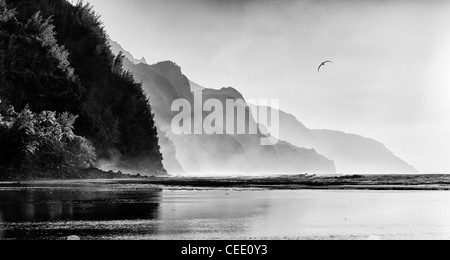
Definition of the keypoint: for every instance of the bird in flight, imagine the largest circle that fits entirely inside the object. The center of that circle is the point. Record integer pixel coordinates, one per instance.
(323, 64)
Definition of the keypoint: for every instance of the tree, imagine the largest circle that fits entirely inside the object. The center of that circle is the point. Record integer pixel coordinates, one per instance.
(55, 56)
(5, 13)
(34, 69)
(42, 143)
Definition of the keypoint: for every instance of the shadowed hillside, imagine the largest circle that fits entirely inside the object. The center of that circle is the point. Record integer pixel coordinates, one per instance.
(56, 56)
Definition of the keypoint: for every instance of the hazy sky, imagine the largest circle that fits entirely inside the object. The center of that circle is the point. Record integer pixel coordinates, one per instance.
(390, 80)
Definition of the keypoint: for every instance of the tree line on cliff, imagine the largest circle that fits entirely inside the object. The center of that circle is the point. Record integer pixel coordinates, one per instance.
(55, 56)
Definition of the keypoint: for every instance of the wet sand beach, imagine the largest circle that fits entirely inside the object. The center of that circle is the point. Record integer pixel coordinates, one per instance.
(150, 209)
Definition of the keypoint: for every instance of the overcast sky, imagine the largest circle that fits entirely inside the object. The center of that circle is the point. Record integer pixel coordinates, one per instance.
(391, 74)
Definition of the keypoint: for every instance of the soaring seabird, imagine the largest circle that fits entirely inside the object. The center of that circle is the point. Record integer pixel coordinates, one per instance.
(323, 64)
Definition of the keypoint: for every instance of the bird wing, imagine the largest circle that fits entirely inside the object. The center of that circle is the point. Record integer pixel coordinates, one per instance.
(323, 64)
(318, 70)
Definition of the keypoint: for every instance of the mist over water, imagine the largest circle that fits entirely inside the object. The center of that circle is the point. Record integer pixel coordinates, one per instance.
(299, 149)
(389, 81)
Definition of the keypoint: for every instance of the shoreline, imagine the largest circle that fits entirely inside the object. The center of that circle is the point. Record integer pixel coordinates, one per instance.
(298, 182)
(86, 174)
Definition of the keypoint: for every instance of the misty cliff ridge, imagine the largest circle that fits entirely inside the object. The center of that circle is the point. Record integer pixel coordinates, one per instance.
(164, 82)
(116, 48)
(351, 153)
(55, 56)
(311, 150)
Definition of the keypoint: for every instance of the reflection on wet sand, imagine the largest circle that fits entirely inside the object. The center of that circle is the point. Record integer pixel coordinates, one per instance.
(78, 205)
(141, 211)
(24, 209)
(2, 232)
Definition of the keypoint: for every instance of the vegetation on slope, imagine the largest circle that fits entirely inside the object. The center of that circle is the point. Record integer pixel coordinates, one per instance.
(55, 56)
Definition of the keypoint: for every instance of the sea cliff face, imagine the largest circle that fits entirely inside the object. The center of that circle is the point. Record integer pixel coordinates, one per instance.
(223, 153)
(300, 149)
(353, 154)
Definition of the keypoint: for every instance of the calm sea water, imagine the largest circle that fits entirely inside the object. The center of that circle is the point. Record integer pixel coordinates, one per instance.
(138, 211)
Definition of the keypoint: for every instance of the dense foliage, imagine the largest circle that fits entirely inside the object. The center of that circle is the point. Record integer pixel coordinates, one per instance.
(33, 67)
(42, 143)
(54, 56)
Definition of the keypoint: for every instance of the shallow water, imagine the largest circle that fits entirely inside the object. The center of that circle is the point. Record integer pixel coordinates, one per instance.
(140, 211)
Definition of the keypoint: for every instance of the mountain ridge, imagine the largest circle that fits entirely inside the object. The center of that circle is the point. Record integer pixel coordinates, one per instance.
(302, 140)
(355, 153)
(117, 48)
(164, 82)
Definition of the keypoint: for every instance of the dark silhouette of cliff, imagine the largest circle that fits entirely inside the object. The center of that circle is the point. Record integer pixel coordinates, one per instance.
(56, 56)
